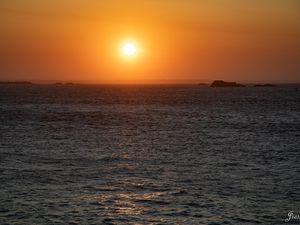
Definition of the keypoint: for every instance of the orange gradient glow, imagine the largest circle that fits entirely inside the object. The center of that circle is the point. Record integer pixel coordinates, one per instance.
(174, 41)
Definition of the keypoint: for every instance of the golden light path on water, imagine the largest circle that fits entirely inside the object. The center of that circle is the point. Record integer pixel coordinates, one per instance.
(125, 203)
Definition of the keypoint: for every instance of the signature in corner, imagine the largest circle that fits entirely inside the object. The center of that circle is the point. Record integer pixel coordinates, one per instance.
(292, 216)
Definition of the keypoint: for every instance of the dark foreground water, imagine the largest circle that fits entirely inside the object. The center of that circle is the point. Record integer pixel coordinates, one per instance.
(148, 155)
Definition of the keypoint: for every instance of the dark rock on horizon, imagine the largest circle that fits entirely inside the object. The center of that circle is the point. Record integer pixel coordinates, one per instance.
(67, 83)
(221, 83)
(15, 82)
(264, 85)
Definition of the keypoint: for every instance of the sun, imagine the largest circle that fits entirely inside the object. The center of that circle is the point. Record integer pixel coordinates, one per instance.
(129, 49)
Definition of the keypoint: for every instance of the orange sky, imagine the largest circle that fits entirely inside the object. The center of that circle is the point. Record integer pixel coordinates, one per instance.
(80, 40)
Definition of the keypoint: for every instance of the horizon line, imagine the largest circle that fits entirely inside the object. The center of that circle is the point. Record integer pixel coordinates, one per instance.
(138, 82)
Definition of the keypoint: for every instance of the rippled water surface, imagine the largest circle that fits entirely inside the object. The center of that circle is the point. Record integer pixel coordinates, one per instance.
(148, 155)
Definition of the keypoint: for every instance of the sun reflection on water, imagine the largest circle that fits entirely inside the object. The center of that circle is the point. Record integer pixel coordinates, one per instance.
(128, 204)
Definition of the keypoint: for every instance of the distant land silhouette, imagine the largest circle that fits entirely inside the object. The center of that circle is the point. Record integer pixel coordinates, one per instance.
(202, 84)
(264, 85)
(68, 83)
(15, 82)
(221, 83)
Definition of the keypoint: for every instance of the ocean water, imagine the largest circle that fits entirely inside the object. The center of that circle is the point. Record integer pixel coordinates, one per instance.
(149, 154)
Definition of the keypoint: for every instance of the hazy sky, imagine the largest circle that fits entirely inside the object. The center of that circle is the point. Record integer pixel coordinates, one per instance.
(80, 40)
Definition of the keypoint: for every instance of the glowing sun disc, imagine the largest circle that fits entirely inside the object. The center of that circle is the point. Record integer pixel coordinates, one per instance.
(129, 49)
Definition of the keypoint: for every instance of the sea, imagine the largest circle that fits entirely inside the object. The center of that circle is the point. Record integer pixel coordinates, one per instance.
(149, 154)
